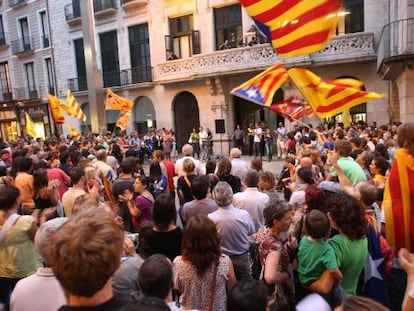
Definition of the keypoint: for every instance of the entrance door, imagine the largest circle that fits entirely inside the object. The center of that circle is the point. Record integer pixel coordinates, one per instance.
(186, 116)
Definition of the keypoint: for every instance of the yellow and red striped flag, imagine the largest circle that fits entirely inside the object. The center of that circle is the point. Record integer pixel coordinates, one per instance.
(297, 27)
(116, 102)
(55, 109)
(261, 88)
(329, 97)
(398, 202)
(74, 108)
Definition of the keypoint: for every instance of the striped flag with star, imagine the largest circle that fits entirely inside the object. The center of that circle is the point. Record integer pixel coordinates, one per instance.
(297, 27)
(330, 97)
(74, 108)
(261, 88)
(399, 200)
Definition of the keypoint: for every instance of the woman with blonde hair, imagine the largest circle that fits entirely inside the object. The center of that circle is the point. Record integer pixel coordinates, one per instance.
(203, 275)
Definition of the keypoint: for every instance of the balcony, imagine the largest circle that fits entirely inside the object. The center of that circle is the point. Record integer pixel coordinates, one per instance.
(22, 46)
(78, 84)
(355, 47)
(15, 3)
(129, 5)
(136, 75)
(6, 96)
(104, 8)
(72, 13)
(25, 93)
(3, 42)
(396, 48)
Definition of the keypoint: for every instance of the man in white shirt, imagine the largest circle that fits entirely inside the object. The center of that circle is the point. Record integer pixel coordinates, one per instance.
(258, 131)
(187, 150)
(251, 199)
(239, 167)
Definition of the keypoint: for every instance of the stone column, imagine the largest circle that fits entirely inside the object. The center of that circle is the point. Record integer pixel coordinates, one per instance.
(405, 84)
(93, 74)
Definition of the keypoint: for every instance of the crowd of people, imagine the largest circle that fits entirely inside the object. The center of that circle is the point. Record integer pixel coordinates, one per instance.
(84, 226)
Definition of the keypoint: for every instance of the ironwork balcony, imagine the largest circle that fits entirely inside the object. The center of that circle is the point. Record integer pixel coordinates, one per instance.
(111, 78)
(396, 46)
(136, 75)
(16, 2)
(102, 5)
(3, 42)
(22, 45)
(348, 48)
(6, 96)
(45, 41)
(78, 84)
(24, 93)
(73, 13)
(133, 4)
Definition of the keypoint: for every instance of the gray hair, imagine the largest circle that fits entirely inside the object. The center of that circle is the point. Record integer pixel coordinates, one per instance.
(235, 153)
(223, 194)
(187, 150)
(44, 235)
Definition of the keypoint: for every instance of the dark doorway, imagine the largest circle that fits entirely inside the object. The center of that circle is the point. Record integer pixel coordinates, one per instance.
(186, 117)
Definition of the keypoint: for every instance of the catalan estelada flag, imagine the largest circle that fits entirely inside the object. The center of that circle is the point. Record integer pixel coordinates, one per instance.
(399, 201)
(55, 109)
(116, 102)
(329, 97)
(291, 108)
(74, 108)
(297, 27)
(261, 88)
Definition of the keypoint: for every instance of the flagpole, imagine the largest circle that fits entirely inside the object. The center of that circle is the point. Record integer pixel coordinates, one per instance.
(300, 122)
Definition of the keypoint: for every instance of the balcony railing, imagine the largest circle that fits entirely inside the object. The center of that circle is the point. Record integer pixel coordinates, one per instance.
(342, 49)
(72, 11)
(45, 42)
(2, 39)
(24, 93)
(133, 4)
(136, 75)
(395, 46)
(16, 2)
(77, 84)
(22, 45)
(102, 5)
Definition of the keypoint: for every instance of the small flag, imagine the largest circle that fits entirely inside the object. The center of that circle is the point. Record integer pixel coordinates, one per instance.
(116, 102)
(291, 108)
(74, 108)
(329, 97)
(30, 126)
(123, 122)
(297, 27)
(261, 88)
(55, 109)
(74, 132)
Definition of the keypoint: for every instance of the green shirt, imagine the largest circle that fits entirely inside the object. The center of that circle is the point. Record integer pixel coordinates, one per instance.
(314, 257)
(351, 169)
(351, 256)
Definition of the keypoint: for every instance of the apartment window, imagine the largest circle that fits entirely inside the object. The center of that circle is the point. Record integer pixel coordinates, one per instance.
(352, 19)
(2, 34)
(24, 34)
(183, 41)
(140, 53)
(44, 29)
(5, 81)
(79, 84)
(29, 75)
(228, 23)
(110, 62)
(49, 76)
